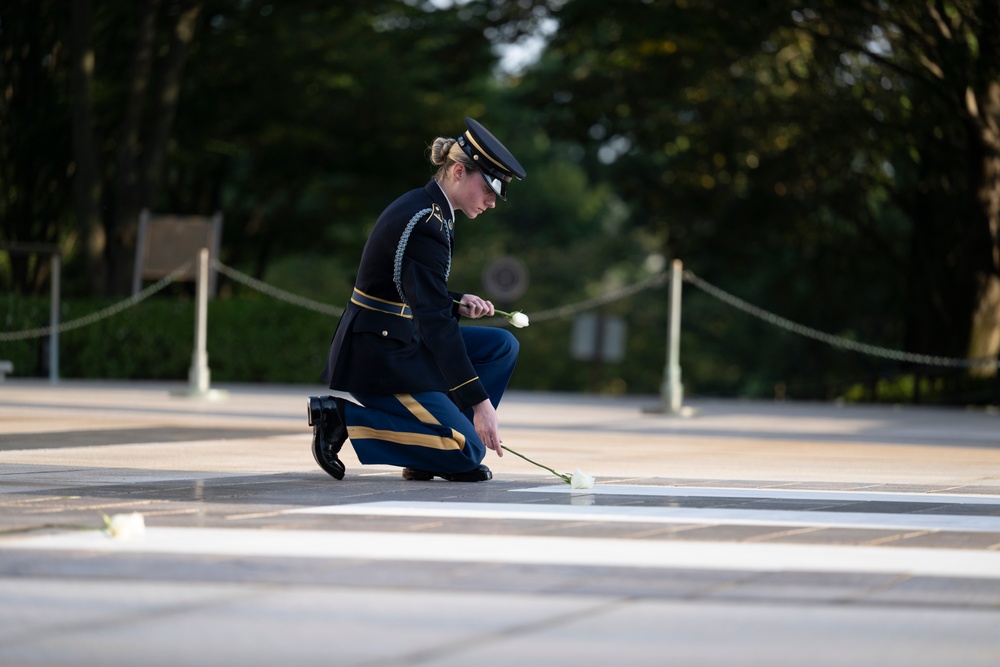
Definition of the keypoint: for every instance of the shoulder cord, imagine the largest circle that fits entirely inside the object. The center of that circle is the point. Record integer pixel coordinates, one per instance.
(397, 269)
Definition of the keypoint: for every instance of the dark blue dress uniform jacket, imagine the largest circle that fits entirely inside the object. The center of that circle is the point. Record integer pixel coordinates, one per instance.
(407, 258)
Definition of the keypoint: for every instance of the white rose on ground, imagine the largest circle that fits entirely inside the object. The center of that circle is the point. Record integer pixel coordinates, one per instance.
(581, 480)
(125, 526)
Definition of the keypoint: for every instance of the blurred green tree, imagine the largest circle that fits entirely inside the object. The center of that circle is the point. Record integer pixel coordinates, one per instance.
(36, 165)
(296, 119)
(796, 154)
(833, 161)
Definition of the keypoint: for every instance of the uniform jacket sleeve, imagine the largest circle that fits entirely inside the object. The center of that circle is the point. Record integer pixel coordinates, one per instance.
(424, 282)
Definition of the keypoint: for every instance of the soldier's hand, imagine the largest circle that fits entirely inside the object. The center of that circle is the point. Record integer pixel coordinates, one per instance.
(484, 418)
(475, 307)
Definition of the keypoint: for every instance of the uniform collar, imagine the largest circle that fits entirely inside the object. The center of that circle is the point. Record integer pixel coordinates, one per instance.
(437, 193)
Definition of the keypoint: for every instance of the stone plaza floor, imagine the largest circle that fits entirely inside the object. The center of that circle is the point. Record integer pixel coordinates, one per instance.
(750, 533)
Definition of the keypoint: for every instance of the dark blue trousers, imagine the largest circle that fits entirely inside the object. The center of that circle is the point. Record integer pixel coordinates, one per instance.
(427, 431)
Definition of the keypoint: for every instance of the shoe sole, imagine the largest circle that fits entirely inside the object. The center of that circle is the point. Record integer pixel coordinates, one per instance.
(314, 410)
(424, 476)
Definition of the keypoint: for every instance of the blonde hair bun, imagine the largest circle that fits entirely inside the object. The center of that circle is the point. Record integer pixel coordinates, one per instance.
(440, 149)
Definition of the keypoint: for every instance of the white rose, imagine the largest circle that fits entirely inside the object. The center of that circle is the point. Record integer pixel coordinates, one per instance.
(125, 526)
(519, 319)
(581, 480)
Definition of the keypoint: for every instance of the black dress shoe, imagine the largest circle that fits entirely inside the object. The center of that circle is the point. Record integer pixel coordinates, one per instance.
(479, 474)
(329, 434)
(417, 475)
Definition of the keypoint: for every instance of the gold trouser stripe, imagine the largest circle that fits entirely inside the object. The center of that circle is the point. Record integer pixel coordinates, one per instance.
(455, 442)
(416, 409)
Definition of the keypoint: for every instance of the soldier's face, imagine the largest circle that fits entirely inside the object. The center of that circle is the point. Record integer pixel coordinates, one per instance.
(473, 195)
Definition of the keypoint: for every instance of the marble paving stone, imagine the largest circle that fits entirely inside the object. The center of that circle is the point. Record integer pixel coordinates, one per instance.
(840, 536)
(949, 540)
(224, 624)
(941, 591)
(109, 437)
(196, 468)
(780, 635)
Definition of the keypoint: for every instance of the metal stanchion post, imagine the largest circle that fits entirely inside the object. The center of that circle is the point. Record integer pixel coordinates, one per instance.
(199, 375)
(672, 391)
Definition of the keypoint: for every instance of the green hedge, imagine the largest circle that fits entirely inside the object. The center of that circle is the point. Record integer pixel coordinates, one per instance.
(258, 339)
(249, 340)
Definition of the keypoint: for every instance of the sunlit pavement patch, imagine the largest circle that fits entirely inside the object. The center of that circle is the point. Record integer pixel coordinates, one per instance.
(632, 514)
(525, 550)
(777, 494)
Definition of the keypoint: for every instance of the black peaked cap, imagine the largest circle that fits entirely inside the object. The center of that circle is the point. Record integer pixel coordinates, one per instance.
(495, 162)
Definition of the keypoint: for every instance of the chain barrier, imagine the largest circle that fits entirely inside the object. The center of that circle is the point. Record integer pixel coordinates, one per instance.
(654, 280)
(836, 341)
(114, 309)
(326, 309)
(276, 292)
